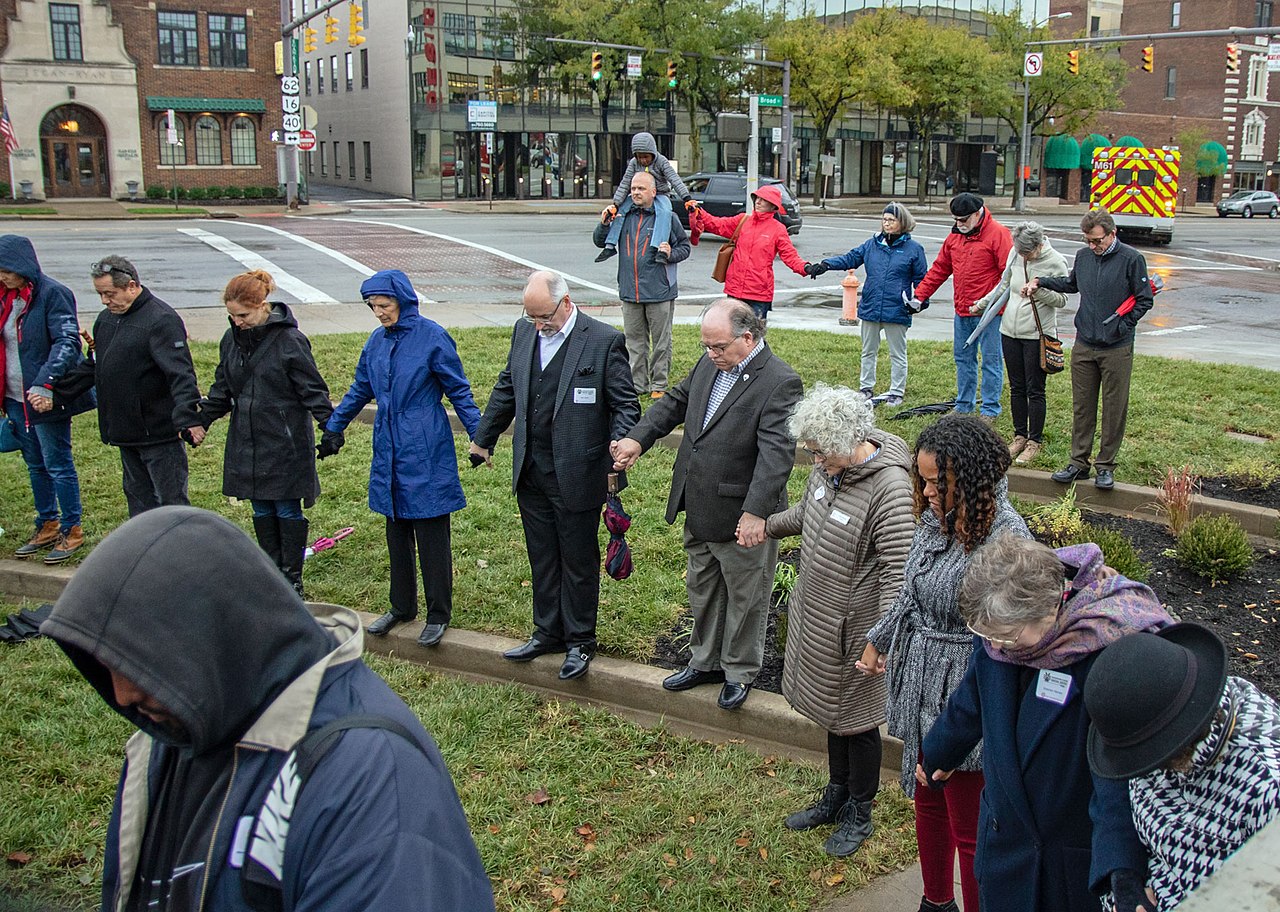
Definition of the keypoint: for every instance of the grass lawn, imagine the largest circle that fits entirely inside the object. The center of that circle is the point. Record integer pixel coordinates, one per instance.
(635, 819)
(28, 210)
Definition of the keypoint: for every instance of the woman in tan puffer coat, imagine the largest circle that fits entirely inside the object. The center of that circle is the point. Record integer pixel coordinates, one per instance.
(856, 523)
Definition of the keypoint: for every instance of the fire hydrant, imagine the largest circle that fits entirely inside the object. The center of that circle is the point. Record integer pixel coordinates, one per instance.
(849, 300)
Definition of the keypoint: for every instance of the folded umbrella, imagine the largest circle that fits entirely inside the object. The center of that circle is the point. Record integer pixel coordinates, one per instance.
(1127, 305)
(324, 544)
(993, 310)
(617, 559)
(932, 408)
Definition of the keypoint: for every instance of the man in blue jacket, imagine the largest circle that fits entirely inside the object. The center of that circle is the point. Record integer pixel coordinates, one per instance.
(41, 345)
(219, 808)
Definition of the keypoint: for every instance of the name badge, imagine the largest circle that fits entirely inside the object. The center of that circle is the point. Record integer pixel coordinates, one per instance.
(840, 516)
(819, 493)
(584, 395)
(1053, 686)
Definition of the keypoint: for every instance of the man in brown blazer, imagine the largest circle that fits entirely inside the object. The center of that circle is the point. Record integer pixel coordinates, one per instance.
(731, 472)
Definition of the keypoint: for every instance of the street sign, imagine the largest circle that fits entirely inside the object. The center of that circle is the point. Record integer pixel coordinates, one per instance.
(291, 107)
(171, 132)
(653, 104)
(482, 115)
(634, 66)
(770, 101)
(1033, 64)
(292, 137)
(306, 140)
(777, 134)
(1273, 58)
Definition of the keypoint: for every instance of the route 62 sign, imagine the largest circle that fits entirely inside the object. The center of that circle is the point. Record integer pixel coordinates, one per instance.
(289, 86)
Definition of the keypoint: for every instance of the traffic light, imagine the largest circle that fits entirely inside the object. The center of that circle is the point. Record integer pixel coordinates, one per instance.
(309, 39)
(673, 74)
(597, 66)
(1149, 58)
(1233, 58)
(355, 26)
(330, 29)
(1073, 63)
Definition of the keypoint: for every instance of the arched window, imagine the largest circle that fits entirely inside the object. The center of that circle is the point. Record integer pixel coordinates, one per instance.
(244, 145)
(172, 154)
(208, 140)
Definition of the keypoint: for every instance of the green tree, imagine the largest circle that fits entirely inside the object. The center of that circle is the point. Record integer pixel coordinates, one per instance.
(1196, 159)
(1058, 103)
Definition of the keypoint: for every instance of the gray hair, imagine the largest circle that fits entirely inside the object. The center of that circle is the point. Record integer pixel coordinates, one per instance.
(1010, 582)
(122, 272)
(905, 219)
(1028, 237)
(1098, 218)
(836, 418)
(742, 319)
(555, 284)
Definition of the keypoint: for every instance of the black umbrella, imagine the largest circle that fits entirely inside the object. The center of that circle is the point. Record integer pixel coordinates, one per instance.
(617, 558)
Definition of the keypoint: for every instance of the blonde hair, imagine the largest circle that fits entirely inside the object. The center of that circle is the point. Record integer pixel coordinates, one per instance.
(253, 286)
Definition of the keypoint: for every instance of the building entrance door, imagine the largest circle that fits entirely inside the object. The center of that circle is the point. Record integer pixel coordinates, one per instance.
(73, 145)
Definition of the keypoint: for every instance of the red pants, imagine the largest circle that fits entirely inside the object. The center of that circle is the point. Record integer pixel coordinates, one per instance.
(947, 822)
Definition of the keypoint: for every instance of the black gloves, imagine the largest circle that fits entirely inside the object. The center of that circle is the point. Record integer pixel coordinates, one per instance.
(330, 443)
(1127, 889)
(813, 270)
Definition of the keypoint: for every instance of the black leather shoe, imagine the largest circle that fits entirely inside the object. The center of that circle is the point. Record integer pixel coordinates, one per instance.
(1105, 479)
(531, 650)
(733, 695)
(385, 624)
(1069, 473)
(576, 663)
(690, 677)
(432, 634)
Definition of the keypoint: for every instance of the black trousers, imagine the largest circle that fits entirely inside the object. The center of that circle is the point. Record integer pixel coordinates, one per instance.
(1026, 386)
(435, 561)
(854, 760)
(564, 556)
(155, 476)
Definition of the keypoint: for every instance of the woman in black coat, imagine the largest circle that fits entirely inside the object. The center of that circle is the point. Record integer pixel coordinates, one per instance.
(268, 380)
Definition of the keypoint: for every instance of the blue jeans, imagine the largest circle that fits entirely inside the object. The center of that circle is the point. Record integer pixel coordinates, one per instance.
(285, 509)
(967, 365)
(46, 449)
(661, 221)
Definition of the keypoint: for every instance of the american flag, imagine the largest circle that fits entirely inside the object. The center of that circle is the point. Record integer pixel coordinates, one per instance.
(6, 130)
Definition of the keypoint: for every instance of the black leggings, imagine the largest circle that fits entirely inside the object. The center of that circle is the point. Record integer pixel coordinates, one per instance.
(855, 761)
(435, 562)
(1026, 386)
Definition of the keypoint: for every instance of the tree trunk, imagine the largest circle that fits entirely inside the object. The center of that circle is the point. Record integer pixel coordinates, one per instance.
(695, 142)
(819, 179)
(922, 165)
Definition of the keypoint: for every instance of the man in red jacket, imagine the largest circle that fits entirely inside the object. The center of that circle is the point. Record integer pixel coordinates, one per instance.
(974, 255)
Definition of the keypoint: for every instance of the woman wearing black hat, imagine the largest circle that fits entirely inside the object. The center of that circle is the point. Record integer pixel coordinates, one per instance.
(1201, 751)
(1041, 618)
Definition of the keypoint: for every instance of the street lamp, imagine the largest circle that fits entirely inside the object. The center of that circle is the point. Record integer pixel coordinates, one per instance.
(1024, 144)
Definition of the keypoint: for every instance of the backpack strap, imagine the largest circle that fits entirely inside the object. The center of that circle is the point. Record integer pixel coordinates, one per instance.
(262, 870)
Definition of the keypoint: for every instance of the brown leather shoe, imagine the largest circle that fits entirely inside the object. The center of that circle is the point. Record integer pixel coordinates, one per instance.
(45, 537)
(68, 544)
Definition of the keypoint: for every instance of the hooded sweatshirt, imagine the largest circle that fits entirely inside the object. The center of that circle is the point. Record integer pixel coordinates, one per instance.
(665, 177)
(761, 240)
(243, 671)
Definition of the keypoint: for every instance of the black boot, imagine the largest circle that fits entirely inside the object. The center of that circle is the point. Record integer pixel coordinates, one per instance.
(854, 829)
(268, 533)
(948, 906)
(824, 810)
(293, 546)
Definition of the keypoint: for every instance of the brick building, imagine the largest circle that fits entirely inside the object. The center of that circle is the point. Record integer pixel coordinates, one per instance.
(88, 86)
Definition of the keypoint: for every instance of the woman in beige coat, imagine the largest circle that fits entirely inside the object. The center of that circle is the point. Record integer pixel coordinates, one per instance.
(855, 521)
(1032, 256)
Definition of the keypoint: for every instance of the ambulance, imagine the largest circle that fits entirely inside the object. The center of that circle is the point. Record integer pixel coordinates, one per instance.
(1139, 187)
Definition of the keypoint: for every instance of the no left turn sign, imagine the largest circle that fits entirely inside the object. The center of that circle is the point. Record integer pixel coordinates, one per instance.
(1033, 64)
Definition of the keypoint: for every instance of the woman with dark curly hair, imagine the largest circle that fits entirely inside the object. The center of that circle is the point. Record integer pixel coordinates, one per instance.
(961, 499)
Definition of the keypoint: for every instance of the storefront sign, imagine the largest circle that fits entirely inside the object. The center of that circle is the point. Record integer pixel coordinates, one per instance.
(482, 115)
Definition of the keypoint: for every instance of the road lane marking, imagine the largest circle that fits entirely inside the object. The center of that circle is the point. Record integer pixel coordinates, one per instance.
(306, 294)
(483, 247)
(1176, 329)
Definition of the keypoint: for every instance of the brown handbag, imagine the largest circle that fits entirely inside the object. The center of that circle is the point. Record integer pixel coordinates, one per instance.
(724, 256)
(1052, 360)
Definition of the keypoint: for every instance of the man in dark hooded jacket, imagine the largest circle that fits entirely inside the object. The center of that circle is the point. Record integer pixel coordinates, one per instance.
(223, 682)
(40, 345)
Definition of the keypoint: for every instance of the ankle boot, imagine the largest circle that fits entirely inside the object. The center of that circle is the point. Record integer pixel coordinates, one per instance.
(46, 536)
(69, 543)
(268, 534)
(854, 829)
(293, 546)
(824, 810)
(948, 906)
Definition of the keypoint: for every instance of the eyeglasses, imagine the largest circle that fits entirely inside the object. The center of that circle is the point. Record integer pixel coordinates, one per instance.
(98, 270)
(816, 454)
(995, 640)
(719, 347)
(530, 318)
(1096, 241)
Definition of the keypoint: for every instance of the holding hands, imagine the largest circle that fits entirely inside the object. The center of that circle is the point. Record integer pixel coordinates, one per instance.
(625, 452)
(1030, 288)
(480, 456)
(813, 270)
(330, 443)
(750, 531)
(872, 661)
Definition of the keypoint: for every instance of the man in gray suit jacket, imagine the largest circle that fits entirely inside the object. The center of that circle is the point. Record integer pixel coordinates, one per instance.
(731, 472)
(567, 387)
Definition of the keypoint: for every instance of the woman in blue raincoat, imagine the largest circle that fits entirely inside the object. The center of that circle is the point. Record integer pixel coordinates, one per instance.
(407, 366)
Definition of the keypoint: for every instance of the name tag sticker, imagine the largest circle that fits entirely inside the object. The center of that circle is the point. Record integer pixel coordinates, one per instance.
(840, 516)
(243, 828)
(1053, 686)
(819, 493)
(584, 395)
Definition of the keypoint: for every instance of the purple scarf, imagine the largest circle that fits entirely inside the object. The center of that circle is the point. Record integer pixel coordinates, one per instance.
(1098, 611)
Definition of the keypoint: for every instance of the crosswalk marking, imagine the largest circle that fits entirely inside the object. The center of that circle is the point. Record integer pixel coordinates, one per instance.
(286, 282)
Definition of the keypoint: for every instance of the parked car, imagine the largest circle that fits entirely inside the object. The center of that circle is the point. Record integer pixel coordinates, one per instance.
(1247, 202)
(724, 193)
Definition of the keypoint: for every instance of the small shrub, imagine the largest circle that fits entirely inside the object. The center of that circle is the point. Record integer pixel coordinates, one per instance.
(234, 193)
(196, 193)
(1176, 496)
(1215, 547)
(6, 191)
(1026, 508)
(1253, 473)
(1058, 523)
(214, 193)
(183, 193)
(784, 581)
(156, 193)
(1117, 551)
(252, 193)
(271, 193)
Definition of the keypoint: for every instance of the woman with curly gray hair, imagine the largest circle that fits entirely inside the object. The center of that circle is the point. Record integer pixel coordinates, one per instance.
(855, 524)
(1024, 319)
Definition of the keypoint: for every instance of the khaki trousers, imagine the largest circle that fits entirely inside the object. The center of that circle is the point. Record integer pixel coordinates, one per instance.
(648, 331)
(729, 589)
(1105, 373)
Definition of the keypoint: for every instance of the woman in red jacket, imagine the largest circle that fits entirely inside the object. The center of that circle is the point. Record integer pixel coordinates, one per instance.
(761, 238)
